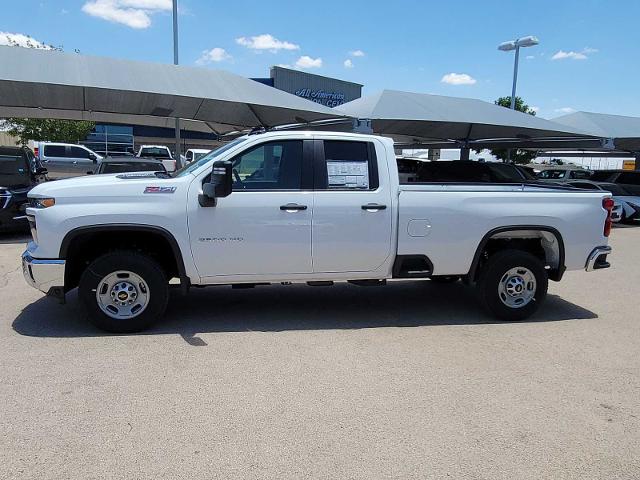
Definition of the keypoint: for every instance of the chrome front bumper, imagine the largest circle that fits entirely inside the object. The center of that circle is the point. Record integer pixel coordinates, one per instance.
(45, 275)
(598, 259)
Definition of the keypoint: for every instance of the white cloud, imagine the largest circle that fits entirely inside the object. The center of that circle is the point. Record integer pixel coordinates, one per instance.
(581, 55)
(562, 55)
(216, 54)
(356, 53)
(458, 79)
(348, 63)
(534, 109)
(266, 41)
(530, 57)
(132, 13)
(565, 110)
(306, 61)
(22, 40)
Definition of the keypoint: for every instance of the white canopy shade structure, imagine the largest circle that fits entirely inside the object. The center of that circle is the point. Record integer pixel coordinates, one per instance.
(70, 86)
(624, 131)
(451, 122)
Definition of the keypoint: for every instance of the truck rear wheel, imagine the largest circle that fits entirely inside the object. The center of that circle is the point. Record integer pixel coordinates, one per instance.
(124, 292)
(512, 285)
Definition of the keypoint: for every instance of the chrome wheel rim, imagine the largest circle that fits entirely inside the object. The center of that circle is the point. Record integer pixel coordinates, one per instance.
(517, 287)
(122, 295)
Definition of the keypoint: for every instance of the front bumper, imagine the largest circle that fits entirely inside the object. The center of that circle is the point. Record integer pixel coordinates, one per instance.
(45, 275)
(598, 259)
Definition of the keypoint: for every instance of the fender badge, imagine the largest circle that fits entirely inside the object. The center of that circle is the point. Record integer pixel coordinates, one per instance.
(159, 189)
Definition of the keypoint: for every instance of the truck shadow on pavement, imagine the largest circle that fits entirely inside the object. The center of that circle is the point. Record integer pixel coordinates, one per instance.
(296, 307)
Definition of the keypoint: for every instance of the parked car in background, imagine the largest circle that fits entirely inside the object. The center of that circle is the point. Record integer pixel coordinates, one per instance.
(19, 172)
(466, 171)
(159, 152)
(629, 204)
(127, 164)
(629, 179)
(195, 154)
(65, 160)
(562, 173)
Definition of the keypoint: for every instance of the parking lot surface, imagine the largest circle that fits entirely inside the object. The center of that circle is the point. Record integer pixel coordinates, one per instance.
(406, 381)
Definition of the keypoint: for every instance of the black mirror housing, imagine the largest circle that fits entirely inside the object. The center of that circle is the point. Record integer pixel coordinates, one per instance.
(220, 186)
(222, 178)
(93, 158)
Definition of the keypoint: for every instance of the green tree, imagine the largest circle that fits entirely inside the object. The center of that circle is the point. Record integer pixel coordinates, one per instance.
(517, 155)
(53, 130)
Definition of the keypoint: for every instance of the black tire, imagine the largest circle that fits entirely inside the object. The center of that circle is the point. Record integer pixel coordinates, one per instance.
(445, 279)
(148, 269)
(494, 271)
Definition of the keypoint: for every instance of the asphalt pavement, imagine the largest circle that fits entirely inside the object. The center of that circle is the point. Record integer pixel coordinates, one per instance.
(411, 380)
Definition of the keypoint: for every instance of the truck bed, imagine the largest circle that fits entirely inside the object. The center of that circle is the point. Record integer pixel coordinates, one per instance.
(446, 222)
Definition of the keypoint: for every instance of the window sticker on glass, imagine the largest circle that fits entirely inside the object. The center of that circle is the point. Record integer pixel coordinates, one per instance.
(348, 174)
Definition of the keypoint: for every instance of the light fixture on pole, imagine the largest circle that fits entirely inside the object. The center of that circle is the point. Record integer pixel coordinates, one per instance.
(529, 41)
(175, 62)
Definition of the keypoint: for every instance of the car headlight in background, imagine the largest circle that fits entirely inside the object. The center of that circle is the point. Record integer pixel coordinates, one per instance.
(41, 202)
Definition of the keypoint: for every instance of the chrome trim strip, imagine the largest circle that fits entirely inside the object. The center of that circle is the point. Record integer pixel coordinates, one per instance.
(593, 256)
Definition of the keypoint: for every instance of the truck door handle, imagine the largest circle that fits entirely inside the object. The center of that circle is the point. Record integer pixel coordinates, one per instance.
(373, 207)
(292, 207)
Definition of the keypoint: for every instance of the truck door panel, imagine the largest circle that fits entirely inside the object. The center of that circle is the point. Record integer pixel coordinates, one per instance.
(352, 216)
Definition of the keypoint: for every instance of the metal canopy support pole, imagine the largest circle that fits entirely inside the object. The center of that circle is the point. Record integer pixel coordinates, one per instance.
(175, 62)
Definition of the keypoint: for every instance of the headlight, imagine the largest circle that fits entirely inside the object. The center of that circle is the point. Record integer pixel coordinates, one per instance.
(41, 202)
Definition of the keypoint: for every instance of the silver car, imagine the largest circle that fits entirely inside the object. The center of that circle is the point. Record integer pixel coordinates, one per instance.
(64, 160)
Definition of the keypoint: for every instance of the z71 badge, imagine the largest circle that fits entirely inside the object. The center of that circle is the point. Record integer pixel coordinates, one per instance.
(159, 189)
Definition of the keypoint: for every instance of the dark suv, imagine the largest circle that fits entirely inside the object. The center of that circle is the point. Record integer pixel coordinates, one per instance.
(629, 179)
(20, 171)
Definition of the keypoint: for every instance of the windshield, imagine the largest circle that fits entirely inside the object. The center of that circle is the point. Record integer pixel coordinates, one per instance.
(209, 156)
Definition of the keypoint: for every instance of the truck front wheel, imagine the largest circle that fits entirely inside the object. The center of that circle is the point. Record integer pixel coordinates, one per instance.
(124, 292)
(512, 285)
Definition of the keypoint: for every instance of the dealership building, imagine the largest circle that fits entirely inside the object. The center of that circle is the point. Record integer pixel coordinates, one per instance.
(327, 91)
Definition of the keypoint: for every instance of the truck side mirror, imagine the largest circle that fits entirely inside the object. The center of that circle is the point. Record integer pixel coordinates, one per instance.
(220, 186)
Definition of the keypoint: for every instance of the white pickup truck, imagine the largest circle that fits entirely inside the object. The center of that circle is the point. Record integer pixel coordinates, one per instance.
(314, 207)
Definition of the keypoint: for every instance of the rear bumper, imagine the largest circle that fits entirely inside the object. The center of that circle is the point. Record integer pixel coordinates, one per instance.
(47, 275)
(598, 259)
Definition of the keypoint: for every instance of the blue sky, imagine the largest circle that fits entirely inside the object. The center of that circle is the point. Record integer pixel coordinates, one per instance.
(587, 58)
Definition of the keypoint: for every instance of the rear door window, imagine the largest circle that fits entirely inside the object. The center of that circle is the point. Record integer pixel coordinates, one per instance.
(346, 165)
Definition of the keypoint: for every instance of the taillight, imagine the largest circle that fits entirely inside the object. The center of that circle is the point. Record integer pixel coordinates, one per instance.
(35, 152)
(607, 204)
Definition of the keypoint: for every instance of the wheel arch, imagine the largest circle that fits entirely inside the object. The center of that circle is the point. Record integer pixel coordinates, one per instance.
(501, 233)
(84, 233)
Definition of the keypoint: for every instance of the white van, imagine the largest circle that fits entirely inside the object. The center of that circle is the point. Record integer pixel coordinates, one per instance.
(65, 160)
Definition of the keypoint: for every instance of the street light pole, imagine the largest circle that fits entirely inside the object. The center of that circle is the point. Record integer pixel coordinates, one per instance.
(515, 78)
(529, 41)
(175, 62)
